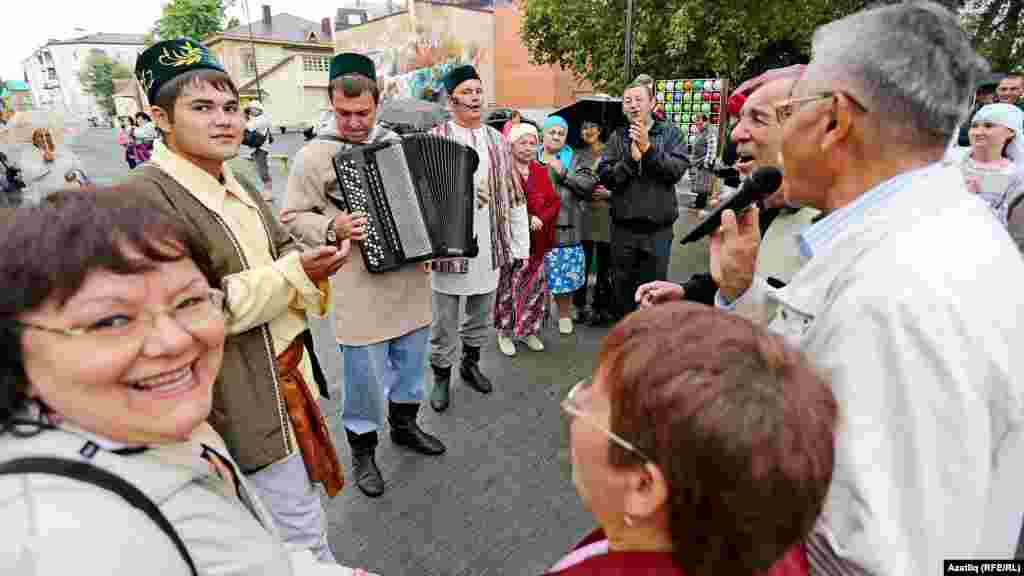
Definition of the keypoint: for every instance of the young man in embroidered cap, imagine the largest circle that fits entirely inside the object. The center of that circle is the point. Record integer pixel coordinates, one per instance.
(262, 403)
(383, 320)
(500, 199)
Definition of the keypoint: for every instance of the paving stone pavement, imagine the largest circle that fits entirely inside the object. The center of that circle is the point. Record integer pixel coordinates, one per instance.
(501, 500)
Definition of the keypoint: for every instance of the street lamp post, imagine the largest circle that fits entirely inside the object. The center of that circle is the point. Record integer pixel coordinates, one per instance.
(252, 44)
(629, 41)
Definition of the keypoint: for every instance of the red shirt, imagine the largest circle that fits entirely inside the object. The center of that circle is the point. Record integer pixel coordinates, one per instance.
(541, 201)
(793, 563)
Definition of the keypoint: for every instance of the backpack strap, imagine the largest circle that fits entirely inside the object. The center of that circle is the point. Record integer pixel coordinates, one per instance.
(85, 472)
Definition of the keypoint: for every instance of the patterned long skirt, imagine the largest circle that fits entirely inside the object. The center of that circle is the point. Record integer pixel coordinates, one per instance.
(521, 300)
(565, 265)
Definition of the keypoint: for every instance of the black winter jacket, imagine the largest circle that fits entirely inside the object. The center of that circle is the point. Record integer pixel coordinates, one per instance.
(643, 193)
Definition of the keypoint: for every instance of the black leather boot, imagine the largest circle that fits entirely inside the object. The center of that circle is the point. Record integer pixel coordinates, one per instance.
(364, 468)
(470, 370)
(440, 394)
(406, 432)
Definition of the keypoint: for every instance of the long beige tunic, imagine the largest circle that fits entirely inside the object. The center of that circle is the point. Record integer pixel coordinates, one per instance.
(369, 308)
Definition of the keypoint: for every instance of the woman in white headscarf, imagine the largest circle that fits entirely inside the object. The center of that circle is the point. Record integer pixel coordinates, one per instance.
(993, 167)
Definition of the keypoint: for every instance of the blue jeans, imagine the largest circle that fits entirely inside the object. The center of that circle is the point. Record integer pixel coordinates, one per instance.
(395, 369)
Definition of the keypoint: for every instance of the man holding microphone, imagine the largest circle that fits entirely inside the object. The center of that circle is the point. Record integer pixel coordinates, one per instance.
(893, 301)
(758, 139)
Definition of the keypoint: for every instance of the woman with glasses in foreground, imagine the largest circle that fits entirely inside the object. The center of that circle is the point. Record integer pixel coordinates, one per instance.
(702, 445)
(112, 337)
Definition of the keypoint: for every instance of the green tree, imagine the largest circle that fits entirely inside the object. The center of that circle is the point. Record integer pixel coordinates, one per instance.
(997, 26)
(97, 78)
(192, 18)
(586, 37)
(678, 38)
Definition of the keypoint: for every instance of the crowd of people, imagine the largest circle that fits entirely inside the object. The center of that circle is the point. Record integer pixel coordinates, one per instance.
(838, 397)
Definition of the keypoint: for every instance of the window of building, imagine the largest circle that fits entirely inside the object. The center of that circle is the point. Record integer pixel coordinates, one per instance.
(316, 63)
(51, 73)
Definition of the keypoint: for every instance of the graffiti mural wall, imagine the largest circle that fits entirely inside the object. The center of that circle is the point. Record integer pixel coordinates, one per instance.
(414, 49)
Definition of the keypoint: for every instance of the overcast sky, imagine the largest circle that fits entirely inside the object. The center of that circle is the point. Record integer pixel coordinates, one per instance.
(28, 24)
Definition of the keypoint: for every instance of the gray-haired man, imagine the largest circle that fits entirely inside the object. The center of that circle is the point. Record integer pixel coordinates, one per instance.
(896, 301)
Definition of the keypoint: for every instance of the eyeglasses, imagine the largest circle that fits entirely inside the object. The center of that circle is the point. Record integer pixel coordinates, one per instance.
(192, 313)
(572, 407)
(787, 108)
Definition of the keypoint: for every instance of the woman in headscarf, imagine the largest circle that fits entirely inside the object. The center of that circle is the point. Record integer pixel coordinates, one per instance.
(992, 168)
(596, 232)
(565, 263)
(47, 164)
(125, 140)
(522, 297)
(145, 135)
(513, 120)
(112, 332)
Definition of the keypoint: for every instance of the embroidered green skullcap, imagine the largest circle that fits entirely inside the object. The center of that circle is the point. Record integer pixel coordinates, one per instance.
(352, 63)
(165, 60)
(458, 76)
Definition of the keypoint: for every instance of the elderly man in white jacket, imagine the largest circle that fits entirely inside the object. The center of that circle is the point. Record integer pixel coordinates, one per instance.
(911, 298)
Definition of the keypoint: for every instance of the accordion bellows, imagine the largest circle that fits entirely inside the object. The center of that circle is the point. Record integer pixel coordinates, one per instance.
(418, 194)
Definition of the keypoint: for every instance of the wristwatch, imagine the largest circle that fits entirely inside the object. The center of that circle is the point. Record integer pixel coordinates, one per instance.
(332, 236)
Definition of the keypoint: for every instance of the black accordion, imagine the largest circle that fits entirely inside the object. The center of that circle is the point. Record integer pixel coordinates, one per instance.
(418, 194)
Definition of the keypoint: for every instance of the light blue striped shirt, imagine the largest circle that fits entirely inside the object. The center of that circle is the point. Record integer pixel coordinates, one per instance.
(816, 239)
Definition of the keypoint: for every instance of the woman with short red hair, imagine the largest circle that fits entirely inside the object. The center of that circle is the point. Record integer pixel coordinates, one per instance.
(702, 445)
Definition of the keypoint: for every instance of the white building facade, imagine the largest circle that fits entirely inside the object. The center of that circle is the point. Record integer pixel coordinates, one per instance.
(52, 71)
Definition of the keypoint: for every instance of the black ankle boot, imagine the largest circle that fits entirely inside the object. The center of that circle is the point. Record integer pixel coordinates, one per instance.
(470, 370)
(440, 395)
(364, 468)
(406, 432)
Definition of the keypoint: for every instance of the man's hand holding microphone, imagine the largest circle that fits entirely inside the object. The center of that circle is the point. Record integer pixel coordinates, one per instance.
(735, 242)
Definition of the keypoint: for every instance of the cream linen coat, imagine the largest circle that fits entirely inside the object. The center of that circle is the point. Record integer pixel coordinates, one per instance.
(917, 314)
(54, 526)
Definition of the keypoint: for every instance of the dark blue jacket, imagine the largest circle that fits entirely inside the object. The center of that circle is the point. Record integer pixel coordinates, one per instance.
(644, 192)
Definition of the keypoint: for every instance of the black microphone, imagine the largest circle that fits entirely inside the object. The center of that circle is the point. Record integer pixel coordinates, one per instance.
(761, 184)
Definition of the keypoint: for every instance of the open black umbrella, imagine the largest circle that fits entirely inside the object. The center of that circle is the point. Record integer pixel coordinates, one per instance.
(605, 112)
(411, 114)
(497, 117)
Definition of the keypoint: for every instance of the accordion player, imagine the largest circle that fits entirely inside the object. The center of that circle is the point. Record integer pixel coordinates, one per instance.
(417, 194)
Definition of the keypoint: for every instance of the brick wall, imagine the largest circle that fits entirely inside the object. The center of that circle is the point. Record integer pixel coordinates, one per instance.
(521, 84)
